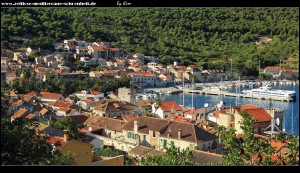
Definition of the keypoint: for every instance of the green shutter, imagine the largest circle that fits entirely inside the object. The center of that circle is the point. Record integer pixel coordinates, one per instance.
(165, 143)
(133, 137)
(128, 135)
(172, 142)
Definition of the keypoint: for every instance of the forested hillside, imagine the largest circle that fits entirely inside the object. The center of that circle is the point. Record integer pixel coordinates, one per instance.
(203, 36)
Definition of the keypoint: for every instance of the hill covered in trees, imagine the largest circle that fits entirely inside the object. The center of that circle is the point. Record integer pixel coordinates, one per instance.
(202, 36)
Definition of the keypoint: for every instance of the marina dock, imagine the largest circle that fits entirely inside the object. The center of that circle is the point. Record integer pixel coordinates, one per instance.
(228, 94)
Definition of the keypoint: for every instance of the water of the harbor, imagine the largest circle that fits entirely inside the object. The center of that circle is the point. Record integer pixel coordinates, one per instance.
(291, 109)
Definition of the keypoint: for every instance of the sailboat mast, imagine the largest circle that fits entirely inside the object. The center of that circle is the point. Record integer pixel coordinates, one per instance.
(193, 93)
(183, 90)
(292, 118)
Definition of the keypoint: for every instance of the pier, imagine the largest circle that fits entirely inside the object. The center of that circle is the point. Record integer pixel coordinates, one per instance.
(228, 94)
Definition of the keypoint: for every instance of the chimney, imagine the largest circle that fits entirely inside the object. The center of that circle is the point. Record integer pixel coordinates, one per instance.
(230, 108)
(179, 134)
(66, 135)
(136, 126)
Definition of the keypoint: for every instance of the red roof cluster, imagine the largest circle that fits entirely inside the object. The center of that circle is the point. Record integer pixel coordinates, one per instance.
(170, 105)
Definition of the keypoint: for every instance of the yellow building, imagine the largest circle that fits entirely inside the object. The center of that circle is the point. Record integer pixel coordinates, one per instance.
(231, 118)
(84, 155)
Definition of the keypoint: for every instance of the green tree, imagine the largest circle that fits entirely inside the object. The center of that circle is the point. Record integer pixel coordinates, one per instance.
(173, 157)
(251, 150)
(67, 124)
(147, 112)
(21, 145)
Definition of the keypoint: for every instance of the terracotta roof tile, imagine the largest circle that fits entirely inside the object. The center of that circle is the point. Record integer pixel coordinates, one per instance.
(61, 103)
(98, 48)
(191, 112)
(58, 141)
(189, 132)
(180, 119)
(43, 111)
(169, 105)
(48, 95)
(110, 123)
(258, 113)
(30, 116)
(20, 113)
(129, 117)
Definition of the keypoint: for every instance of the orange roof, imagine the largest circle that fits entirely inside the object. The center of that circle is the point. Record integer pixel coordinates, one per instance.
(65, 109)
(287, 70)
(49, 95)
(217, 113)
(180, 119)
(169, 105)
(194, 111)
(258, 113)
(4, 58)
(30, 116)
(277, 145)
(61, 103)
(43, 111)
(92, 92)
(99, 48)
(20, 113)
(57, 140)
(134, 65)
(168, 75)
(130, 117)
(143, 73)
(86, 101)
(11, 74)
(93, 129)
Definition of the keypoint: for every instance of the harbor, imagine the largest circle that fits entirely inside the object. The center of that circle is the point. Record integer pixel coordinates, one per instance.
(224, 89)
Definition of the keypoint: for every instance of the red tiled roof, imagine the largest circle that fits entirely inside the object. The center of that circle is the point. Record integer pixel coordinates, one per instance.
(180, 119)
(30, 116)
(78, 119)
(91, 92)
(48, 95)
(129, 117)
(143, 73)
(93, 129)
(61, 103)
(258, 113)
(110, 123)
(11, 74)
(277, 145)
(168, 105)
(287, 70)
(57, 140)
(43, 111)
(4, 58)
(20, 113)
(191, 112)
(65, 109)
(217, 113)
(98, 48)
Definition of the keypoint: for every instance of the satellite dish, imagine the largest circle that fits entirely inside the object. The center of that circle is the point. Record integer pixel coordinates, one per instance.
(206, 105)
(277, 121)
(90, 129)
(115, 117)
